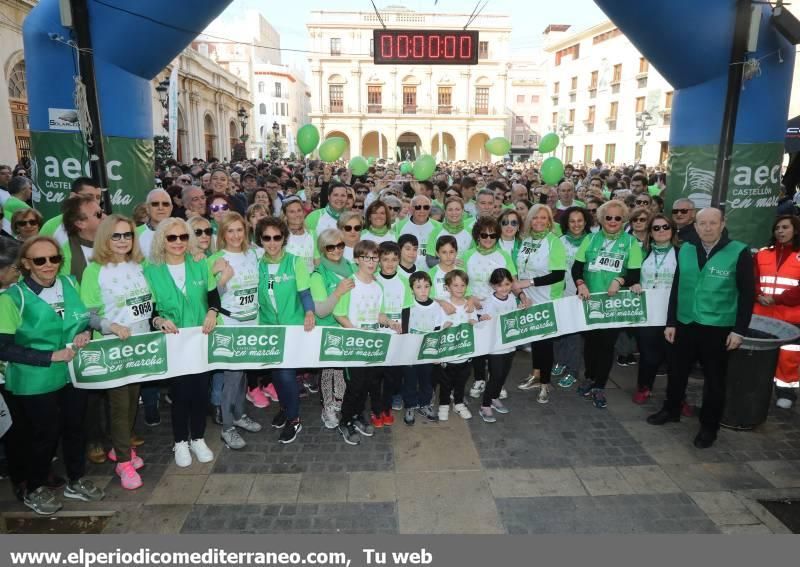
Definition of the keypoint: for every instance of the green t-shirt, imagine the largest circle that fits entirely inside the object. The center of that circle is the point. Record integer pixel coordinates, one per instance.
(606, 258)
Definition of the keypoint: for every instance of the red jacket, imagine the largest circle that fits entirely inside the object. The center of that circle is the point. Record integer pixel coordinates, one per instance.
(777, 274)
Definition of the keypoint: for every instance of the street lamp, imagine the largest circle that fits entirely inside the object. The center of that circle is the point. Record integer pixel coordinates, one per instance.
(242, 114)
(644, 121)
(163, 97)
(276, 149)
(564, 130)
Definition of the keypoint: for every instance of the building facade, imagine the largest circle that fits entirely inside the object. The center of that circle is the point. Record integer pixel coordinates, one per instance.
(526, 99)
(400, 111)
(209, 99)
(281, 98)
(15, 140)
(604, 99)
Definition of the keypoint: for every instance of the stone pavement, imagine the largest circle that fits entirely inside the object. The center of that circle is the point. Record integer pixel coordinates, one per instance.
(563, 467)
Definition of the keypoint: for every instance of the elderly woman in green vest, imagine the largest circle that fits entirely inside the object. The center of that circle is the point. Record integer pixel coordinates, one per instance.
(185, 295)
(39, 316)
(329, 282)
(283, 299)
(606, 261)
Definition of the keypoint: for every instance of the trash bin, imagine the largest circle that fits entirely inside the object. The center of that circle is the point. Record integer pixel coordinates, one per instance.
(751, 369)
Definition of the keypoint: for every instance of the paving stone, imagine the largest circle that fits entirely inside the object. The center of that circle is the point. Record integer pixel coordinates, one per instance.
(520, 483)
(446, 502)
(178, 489)
(710, 477)
(603, 481)
(371, 487)
(274, 488)
(780, 474)
(724, 508)
(160, 519)
(648, 479)
(330, 487)
(226, 489)
(754, 529)
(434, 447)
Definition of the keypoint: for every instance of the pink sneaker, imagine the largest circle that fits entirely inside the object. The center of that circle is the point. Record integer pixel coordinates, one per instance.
(270, 391)
(641, 395)
(257, 398)
(128, 476)
(136, 460)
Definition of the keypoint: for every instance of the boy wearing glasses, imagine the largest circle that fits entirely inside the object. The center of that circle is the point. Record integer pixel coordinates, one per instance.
(361, 308)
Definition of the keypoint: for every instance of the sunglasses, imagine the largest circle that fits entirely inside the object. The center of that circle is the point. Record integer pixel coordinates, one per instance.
(660, 227)
(218, 208)
(201, 231)
(351, 228)
(121, 235)
(332, 247)
(593, 211)
(614, 218)
(160, 204)
(642, 202)
(31, 222)
(175, 237)
(642, 219)
(369, 258)
(271, 238)
(486, 235)
(42, 260)
(396, 209)
(681, 211)
(509, 223)
(422, 207)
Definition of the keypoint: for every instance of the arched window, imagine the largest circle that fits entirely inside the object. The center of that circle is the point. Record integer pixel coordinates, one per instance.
(261, 86)
(16, 82)
(262, 108)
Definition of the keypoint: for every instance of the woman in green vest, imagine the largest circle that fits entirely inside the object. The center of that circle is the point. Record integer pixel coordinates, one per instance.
(114, 287)
(283, 299)
(327, 217)
(329, 282)
(606, 262)
(39, 316)
(184, 296)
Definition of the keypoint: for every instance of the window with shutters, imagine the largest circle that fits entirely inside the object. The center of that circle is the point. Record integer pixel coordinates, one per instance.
(336, 46)
(445, 100)
(639, 104)
(587, 154)
(617, 76)
(337, 98)
(374, 99)
(482, 100)
(612, 115)
(483, 50)
(611, 152)
(409, 99)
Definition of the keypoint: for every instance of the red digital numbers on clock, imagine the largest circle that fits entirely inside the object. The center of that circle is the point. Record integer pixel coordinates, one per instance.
(432, 47)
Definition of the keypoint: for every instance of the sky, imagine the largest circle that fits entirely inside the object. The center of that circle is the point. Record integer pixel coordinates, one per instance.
(530, 17)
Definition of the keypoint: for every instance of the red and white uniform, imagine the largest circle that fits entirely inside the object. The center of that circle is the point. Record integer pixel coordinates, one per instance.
(787, 374)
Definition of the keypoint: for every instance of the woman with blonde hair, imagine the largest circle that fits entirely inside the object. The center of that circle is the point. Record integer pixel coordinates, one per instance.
(184, 296)
(25, 223)
(115, 288)
(351, 223)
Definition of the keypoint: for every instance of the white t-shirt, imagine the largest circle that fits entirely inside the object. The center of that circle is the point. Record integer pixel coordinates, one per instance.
(302, 246)
(438, 290)
(495, 307)
(4, 195)
(61, 235)
(658, 269)
(425, 318)
(423, 233)
(54, 297)
(507, 245)
(240, 295)
(125, 294)
(348, 254)
(178, 273)
(365, 304)
(146, 241)
(396, 294)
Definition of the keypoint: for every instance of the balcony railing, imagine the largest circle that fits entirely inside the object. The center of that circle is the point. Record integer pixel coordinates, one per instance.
(374, 108)
(443, 110)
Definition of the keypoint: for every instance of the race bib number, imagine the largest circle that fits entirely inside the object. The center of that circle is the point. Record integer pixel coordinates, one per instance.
(246, 308)
(246, 297)
(140, 307)
(608, 262)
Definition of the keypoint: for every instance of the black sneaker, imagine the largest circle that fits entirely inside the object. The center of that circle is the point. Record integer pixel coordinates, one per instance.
(279, 420)
(152, 417)
(631, 360)
(349, 433)
(291, 430)
(428, 413)
(363, 427)
(622, 360)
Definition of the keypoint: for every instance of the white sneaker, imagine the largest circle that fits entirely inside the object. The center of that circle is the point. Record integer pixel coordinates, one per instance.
(530, 383)
(183, 458)
(477, 388)
(544, 394)
(503, 394)
(329, 418)
(462, 411)
(444, 413)
(201, 450)
(784, 403)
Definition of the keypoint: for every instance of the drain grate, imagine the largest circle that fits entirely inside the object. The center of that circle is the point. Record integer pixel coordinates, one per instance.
(64, 523)
(787, 511)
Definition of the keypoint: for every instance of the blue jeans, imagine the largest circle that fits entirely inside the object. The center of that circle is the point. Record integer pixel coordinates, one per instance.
(217, 379)
(150, 393)
(417, 388)
(285, 382)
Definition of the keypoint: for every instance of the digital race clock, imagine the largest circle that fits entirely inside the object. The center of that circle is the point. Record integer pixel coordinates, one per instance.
(425, 47)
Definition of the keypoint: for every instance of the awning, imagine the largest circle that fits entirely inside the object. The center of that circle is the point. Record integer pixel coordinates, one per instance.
(792, 139)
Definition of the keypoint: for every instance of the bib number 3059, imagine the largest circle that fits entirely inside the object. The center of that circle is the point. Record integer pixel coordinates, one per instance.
(142, 310)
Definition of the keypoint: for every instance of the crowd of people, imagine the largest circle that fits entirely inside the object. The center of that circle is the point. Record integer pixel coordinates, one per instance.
(307, 243)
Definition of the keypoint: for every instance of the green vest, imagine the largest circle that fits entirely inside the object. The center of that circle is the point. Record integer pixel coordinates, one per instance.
(604, 264)
(184, 308)
(284, 290)
(44, 329)
(708, 296)
(331, 280)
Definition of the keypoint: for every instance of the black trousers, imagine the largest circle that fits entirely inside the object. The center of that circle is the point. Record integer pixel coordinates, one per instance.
(387, 383)
(479, 367)
(705, 344)
(499, 366)
(453, 379)
(189, 402)
(42, 419)
(359, 381)
(542, 358)
(654, 350)
(598, 355)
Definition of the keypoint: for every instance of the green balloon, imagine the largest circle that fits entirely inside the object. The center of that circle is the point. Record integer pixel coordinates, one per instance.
(424, 168)
(406, 167)
(552, 170)
(548, 143)
(358, 165)
(332, 149)
(497, 146)
(307, 138)
(371, 160)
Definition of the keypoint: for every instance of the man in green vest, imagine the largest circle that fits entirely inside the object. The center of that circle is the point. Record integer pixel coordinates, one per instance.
(709, 312)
